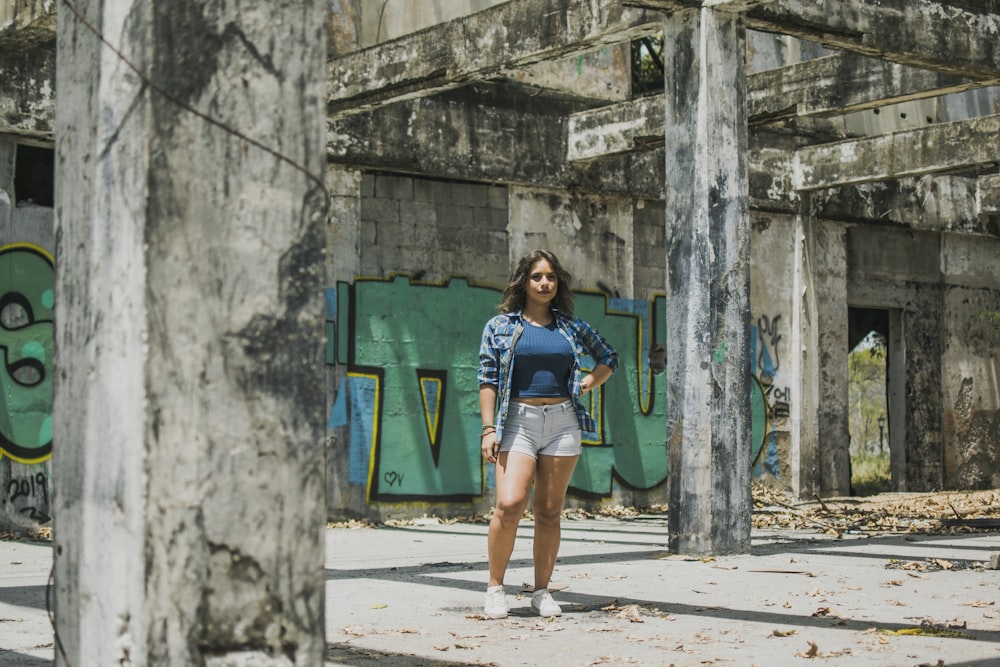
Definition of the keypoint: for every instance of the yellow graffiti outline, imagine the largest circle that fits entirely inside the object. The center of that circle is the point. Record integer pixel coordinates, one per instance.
(595, 408)
(47, 255)
(431, 421)
(767, 419)
(644, 407)
(32, 246)
(644, 391)
(373, 450)
(644, 399)
(41, 459)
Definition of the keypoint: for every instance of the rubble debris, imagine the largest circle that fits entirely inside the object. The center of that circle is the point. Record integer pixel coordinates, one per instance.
(945, 512)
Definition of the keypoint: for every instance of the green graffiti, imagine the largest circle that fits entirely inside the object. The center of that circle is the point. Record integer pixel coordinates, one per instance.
(759, 421)
(26, 343)
(719, 354)
(412, 405)
(632, 407)
(420, 343)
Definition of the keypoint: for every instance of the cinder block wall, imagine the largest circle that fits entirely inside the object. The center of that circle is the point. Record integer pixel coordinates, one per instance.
(433, 230)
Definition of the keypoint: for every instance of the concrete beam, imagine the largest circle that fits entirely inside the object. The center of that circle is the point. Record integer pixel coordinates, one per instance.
(955, 38)
(615, 129)
(504, 134)
(493, 134)
(463, 135)
(940, 203)
(25, 24)
(508, 136)
(27, 93)
(989, 194)
(961, 145)
(944, 35)
(844, 83)
(827, 86)
(480, 46)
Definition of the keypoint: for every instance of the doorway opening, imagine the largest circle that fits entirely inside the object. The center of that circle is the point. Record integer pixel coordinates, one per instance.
(868, 404)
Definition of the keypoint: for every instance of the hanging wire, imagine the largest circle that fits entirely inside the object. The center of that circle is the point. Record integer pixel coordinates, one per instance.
(160, 90)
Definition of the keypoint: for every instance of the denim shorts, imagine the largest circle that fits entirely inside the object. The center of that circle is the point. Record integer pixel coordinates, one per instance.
(546, 430)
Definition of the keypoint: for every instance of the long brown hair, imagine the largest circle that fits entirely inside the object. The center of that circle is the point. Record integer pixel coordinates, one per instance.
(513, 293)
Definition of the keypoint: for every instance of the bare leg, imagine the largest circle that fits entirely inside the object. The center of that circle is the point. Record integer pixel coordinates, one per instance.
(514, 473)
(551, 481)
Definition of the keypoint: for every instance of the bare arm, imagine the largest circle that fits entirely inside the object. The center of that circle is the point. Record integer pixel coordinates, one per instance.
(592, 381)
(487, 410)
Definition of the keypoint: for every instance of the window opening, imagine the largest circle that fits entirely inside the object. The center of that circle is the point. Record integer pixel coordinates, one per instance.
(647, 65)
(34, 176)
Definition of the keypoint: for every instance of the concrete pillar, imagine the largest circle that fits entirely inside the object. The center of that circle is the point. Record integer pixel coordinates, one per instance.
(821, 458)
(343, 262)
(829, 280)
(805, 357)
(708, 282)
(189, 403)
(897, 421)
(923, 324)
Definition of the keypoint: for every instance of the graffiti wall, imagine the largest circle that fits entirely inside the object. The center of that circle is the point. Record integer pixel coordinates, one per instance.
(410, 401)
(771, 393)
(409, 398)
(26, 341)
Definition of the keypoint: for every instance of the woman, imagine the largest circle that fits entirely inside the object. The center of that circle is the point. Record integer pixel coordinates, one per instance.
(529, 359)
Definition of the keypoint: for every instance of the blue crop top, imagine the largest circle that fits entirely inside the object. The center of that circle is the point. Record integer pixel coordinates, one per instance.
(543, 360)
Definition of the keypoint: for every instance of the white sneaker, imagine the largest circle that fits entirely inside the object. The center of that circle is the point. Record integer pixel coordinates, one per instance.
(543, 604)
(496, 603)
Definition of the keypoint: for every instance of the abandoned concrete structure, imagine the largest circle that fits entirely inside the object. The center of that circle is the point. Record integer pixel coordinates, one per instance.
(859, 219)
(504, 131)
(809, 172)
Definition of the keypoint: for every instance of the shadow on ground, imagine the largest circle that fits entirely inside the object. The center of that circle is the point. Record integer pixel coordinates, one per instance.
(15, 659)
(352, 656)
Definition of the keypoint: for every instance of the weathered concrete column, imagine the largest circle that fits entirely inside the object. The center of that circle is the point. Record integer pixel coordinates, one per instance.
(805, 357)
(820, 456)
(189, 405)
(708, 282)
(829, 282)
(343, 262)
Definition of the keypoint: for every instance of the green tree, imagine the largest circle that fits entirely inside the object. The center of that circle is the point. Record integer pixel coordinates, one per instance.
(867, 395)
(993, 318)
(647, 65)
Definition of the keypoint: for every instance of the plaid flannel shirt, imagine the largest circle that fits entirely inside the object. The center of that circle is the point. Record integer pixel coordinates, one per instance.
(496, 359)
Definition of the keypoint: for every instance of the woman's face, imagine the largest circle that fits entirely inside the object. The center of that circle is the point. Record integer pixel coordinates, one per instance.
(542, 283)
